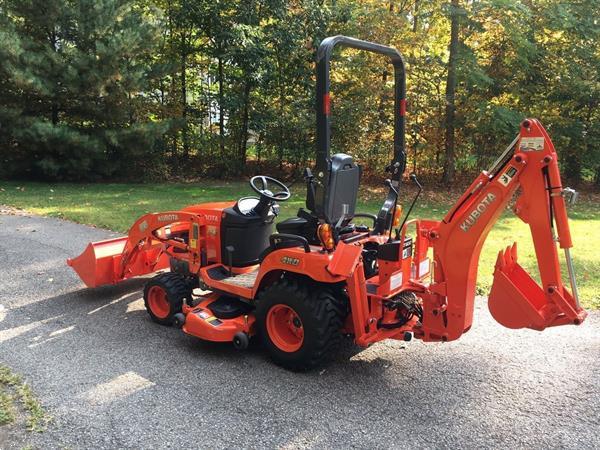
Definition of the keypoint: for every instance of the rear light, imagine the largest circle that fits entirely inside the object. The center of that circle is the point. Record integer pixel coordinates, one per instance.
(325, 234)
(397, 216)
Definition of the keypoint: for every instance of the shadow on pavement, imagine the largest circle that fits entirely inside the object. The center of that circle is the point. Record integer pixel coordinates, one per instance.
(102, 365)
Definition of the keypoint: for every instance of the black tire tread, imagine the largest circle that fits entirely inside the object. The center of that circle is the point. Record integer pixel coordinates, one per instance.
(327, 314)
(177, 289)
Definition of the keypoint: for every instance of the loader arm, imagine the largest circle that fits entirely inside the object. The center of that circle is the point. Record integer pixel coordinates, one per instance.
(529, 166)
(145, 249)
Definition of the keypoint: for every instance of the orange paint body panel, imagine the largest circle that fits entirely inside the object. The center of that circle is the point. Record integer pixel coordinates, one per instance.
(200, 322)
(212, 213)
(516, 300)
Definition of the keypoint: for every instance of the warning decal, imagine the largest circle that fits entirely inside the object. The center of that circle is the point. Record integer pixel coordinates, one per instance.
(396, 281)
(507, 176)
(202, 314)
(531, 144)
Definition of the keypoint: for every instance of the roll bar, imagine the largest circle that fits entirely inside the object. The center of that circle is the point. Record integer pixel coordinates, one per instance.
(324, 53)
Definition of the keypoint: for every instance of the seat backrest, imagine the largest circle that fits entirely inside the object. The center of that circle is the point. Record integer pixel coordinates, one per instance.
(335, 193)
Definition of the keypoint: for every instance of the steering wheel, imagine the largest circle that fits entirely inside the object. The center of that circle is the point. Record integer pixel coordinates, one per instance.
(264, 190)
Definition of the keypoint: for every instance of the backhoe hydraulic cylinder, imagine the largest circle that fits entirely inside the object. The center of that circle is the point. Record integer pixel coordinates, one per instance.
(571, 270)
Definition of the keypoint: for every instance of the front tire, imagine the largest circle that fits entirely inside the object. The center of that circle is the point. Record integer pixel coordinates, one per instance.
(299, 328)
(164, 295)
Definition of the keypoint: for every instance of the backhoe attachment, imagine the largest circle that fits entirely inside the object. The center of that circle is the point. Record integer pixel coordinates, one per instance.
(529, 169)
(516, 299)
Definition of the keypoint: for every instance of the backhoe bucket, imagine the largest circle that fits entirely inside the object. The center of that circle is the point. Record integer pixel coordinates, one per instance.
(517, 300)
(100, 262)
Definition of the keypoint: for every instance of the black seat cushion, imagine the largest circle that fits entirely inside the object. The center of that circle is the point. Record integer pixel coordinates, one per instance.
(293, 225)
(278, 246)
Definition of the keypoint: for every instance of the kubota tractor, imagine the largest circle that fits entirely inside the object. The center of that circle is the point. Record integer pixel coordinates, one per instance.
(322, 275)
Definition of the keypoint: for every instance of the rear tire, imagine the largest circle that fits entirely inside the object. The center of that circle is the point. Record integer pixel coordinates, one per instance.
(300, 328)
(164, 296)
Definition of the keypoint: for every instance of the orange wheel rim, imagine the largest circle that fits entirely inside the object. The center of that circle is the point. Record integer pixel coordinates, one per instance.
(285, 328)
(158, 303)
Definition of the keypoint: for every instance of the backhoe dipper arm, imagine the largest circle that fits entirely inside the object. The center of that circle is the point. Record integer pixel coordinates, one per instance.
(516, 300)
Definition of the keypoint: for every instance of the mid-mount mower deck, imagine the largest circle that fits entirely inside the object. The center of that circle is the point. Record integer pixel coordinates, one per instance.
(323, 275)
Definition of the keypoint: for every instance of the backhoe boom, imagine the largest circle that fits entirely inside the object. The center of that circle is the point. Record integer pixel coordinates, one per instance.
(516, 299)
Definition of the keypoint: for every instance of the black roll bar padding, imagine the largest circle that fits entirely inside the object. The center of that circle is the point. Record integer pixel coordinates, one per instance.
(281, 237)
(324, 54)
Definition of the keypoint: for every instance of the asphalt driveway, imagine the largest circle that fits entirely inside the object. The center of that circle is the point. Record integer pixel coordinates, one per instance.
(111, 378)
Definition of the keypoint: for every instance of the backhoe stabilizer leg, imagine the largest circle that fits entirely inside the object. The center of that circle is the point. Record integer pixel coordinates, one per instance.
(518, 301)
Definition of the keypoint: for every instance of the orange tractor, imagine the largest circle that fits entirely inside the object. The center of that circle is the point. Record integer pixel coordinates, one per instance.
(225, 276)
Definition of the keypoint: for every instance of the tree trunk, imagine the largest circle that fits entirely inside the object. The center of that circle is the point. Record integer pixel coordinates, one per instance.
(280, 119)
(221, 109)
(171, 28)
(416, 16)
(572, 166)
(54, 103)
(245, 119)
(449, 168)
(373, 154)
(184, 131)
(54, 113)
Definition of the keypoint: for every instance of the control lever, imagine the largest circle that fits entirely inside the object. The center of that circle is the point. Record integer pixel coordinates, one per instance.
(570, 195)
(413, 178)
(230, 249)
(390, 184)
(345, 211)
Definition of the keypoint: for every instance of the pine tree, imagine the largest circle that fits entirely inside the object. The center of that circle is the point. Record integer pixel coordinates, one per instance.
(75, 84)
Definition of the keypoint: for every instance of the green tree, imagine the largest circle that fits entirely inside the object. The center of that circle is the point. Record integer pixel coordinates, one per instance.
(169, 87)
(76, 105)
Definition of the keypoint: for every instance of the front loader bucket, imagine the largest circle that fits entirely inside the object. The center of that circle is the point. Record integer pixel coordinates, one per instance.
(517, 300)
(100, 262)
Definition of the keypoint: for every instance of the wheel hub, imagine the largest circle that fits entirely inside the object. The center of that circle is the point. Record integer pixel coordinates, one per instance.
(285, 329)
(158, 303)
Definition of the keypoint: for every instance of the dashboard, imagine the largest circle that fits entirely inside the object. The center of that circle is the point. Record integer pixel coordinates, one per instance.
(245, 205)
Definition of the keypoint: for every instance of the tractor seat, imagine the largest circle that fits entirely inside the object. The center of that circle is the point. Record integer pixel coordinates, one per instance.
(278, 241)
(305, 225)
(292, 224)
(331, 200)
(333, 197)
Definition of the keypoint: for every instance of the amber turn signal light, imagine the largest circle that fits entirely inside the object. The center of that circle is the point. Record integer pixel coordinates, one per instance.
(325, 234)
(397, 216)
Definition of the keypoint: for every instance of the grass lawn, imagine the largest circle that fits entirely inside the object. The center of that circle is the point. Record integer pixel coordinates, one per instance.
(116, 206)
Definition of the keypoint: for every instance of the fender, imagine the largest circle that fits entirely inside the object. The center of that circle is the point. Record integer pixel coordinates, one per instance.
(295, 260)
